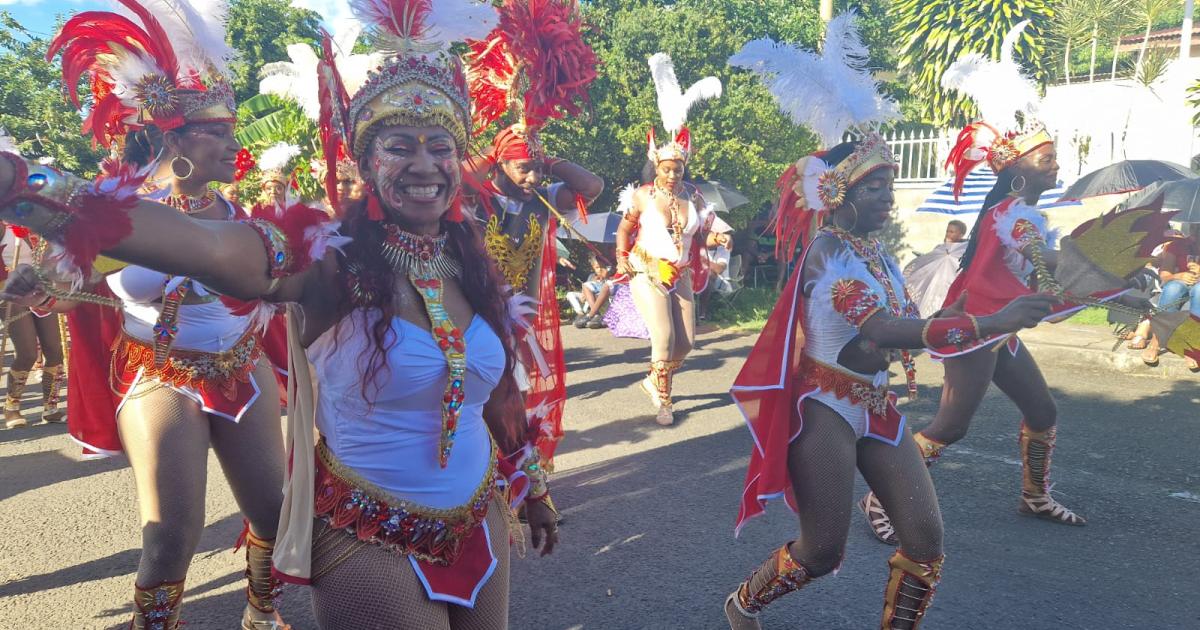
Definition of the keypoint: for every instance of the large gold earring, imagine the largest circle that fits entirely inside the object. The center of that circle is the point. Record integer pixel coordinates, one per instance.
(855, 224)
(175, 171)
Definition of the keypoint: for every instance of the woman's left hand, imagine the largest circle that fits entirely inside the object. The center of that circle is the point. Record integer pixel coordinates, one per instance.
(543, 526)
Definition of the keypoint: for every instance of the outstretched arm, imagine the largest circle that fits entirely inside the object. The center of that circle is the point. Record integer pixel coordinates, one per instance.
(953, 327)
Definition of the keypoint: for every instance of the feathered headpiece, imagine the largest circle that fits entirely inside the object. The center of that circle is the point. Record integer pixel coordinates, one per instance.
(160, 62)
(534, 64)
(296, 80)
(673, 105)
(1007, 100)
(830, 93)
(274, 162)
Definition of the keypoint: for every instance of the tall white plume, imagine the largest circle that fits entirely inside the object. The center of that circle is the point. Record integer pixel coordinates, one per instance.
(673, 102)
(196, 29)
(999, 88)
(447, 22)
(277, 156)
(295, 80)
(829, 93)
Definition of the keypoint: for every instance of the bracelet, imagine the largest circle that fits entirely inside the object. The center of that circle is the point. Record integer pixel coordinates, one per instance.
(950, 331)
(279, 254)
(539, 487)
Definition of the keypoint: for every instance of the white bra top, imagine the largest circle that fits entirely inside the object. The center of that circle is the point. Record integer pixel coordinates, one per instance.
(654, 234)
(392, 443)
(207, 327)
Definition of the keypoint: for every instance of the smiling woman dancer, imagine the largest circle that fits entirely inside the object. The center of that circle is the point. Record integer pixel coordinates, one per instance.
(814, 388)
(187, 368)
(400, 342)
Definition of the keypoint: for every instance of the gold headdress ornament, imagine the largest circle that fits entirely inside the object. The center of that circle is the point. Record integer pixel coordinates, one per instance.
(419, 82)
(830, 93)
(673, 105)
(1008, 102)
(162, 63)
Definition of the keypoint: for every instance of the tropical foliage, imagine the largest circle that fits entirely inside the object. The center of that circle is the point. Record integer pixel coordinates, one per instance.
(32, 108)
(261, 31)
(934, 33)
(265, 120)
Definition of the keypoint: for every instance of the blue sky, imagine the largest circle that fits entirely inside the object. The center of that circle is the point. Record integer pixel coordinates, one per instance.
(38, 15)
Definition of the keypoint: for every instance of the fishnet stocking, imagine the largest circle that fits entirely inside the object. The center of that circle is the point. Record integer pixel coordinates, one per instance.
(900, 479)
(361, 586)
(165, 436)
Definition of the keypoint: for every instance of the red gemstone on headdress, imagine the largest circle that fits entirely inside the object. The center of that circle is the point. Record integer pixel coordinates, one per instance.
(417, 100)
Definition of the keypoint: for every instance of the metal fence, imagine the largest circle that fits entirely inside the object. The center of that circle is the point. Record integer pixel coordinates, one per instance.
(920, 154)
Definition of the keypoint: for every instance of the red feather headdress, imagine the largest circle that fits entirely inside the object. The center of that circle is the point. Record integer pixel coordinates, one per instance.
(163, 64)
(535, 63)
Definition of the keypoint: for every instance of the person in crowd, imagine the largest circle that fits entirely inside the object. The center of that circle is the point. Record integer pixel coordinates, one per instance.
(595, 291)
(929, 276)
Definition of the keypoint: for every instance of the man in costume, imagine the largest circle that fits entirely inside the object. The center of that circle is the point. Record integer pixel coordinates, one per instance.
(534, 67)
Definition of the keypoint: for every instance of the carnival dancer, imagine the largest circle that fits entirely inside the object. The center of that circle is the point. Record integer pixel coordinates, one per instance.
(534, 67)
(186, 365)
(31, 330)
(1011, 253)
(814, 388)
(276, 178)
(400, 342)
(662, 237)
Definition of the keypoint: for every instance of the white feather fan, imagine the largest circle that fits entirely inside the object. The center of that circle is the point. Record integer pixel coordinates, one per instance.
(276, 157)
(999, 88)
(829, 93)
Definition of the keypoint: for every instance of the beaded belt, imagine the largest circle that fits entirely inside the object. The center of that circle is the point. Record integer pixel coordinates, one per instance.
(843, 385)
(347, 501)
(663, 272)
(219, 371)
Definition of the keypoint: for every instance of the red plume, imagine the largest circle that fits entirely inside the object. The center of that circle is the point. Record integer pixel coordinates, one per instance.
(333, 126)
(684, 139)
(967, 154)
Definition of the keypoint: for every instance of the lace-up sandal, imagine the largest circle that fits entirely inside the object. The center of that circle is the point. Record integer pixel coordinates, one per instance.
(1036, 449)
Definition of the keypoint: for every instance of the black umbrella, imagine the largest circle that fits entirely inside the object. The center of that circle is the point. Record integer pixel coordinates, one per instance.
(1182, 196)
(1126, 176)
(720, 196)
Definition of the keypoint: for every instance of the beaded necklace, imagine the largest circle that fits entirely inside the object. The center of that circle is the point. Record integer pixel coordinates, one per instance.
(192, 205)
(423, 260)
(871, 252)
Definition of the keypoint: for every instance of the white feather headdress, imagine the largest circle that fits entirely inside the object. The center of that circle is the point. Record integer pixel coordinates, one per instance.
(829, 93)
(673, 102)
(274, 160)
(1000, 89)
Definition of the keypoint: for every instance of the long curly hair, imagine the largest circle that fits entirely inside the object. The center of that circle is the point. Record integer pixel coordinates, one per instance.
(363, 263)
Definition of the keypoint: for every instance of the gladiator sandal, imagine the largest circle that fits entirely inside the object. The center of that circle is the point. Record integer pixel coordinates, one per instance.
(877, 518)
(12, 403)
(664, 375)
(262, 588)
(909, 591)
(778, 576)
(1036, 447)
(157, 607)
(52, 378)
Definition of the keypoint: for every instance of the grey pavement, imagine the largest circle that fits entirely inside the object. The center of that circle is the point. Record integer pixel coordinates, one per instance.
(648, 538)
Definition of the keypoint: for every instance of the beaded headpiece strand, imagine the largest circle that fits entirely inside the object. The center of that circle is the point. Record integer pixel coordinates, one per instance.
(1008, 103)
(160, 62)
(830, 93)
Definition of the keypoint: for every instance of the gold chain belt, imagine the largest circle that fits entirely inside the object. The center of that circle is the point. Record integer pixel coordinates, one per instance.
(347, 501)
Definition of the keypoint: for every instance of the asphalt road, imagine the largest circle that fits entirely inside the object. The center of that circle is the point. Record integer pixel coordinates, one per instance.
(648, 538)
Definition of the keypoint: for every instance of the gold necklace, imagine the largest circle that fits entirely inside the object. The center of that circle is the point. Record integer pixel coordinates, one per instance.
(410, 253)
(675, 226)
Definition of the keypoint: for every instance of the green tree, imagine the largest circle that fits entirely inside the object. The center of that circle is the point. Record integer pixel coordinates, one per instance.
(740, 139)
(261, 31)
(33, 108)
(265, 120)
(932, 34)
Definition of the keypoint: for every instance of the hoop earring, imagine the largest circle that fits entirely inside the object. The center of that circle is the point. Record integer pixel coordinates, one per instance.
(191, 167)
(1012, 184)
(855, 224)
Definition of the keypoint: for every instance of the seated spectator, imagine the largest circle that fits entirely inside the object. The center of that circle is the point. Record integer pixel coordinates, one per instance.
(718, 277)
(594, 293)
(1179, 270)
(929, 276)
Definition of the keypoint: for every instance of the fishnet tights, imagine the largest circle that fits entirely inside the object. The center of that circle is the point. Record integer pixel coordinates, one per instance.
(361, 586)
(166, 437)
(822, 463)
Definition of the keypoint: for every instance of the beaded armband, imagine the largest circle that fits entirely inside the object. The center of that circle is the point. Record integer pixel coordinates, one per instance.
(279, 254)
(539, 479)
(950, 331)
(41, 197)
(855, 301)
